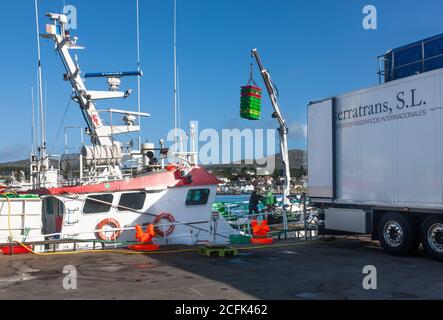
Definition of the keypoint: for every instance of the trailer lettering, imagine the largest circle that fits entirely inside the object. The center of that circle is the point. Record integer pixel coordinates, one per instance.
(340, 116)
(400, 98)
(405, 100)
(386, 107)
(413, 99)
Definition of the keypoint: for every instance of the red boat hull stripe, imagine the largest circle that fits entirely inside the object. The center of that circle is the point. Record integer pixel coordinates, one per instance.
(160, 180)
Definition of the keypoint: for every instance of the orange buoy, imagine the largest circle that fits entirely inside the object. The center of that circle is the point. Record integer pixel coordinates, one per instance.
(145, 238)
(260, 230)
(257, 240)
(144, 247)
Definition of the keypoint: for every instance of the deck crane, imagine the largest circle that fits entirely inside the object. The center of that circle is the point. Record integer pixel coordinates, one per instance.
(282, 130)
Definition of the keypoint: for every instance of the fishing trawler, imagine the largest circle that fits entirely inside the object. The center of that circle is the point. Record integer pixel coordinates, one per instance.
(104, 190)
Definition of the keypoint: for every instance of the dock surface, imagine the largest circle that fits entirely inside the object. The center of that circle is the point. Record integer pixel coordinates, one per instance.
(319, 270)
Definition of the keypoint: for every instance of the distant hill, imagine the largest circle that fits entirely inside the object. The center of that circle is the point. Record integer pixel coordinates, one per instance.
(297, 159)
(6, 169)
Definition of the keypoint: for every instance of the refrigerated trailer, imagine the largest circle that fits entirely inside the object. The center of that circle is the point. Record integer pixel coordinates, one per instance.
(375, 156)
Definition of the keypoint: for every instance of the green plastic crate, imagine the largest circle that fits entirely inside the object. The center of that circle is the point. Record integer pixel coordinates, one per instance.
(250, 89)
(250, 113)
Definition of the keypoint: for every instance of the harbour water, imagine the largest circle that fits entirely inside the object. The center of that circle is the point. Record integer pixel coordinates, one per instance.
(233, 198)
(238, 198)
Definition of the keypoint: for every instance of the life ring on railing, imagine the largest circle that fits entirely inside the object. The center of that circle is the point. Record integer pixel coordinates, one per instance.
(114, 224)
(160, 231)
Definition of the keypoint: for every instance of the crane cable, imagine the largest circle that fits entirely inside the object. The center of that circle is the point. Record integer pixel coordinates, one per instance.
(251, 76)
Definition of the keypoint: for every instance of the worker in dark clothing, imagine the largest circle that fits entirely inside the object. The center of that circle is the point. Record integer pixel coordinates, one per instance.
(254, 201)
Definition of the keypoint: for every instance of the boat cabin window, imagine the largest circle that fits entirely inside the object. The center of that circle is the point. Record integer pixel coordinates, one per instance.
(134, 201)
(198, 197)
(98, 204)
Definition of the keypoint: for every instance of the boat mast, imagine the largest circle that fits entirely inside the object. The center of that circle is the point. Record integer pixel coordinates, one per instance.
(175, 71)
(42, 149)
(139, 70)
(179, 110)
(33, 134)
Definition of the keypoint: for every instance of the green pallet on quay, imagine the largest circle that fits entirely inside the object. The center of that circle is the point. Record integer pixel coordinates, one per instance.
(218, 251)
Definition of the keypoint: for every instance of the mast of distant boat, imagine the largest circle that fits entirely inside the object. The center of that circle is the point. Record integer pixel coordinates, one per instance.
(42, 153)
(139, 70)
(33, 132)
(175, 72)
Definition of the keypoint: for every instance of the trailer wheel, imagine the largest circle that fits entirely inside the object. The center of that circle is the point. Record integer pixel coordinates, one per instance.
(432, 237)
(397, 234)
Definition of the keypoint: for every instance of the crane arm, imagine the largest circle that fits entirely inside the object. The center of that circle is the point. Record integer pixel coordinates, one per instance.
(283, 130)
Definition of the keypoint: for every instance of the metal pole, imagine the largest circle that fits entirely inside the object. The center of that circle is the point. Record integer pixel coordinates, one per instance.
(305, 215)
(178, 99)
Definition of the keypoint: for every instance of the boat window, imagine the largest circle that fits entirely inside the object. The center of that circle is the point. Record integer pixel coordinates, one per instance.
(198, 197)
(98, 204)
(134, 201)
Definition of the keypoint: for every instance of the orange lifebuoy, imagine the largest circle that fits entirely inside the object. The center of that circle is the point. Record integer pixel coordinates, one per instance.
(114, 225)
(164, 216)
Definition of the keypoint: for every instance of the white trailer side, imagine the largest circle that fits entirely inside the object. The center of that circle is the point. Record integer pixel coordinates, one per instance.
(379, 151)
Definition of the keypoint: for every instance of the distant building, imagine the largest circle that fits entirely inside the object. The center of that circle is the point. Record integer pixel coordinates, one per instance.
(250, 173)
(263, 172)
(223, 179)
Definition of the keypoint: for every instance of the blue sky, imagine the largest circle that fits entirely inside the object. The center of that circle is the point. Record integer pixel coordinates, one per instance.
(312, 48)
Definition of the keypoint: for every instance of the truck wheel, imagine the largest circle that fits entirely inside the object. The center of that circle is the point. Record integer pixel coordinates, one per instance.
(397, 234)
(432, 237)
